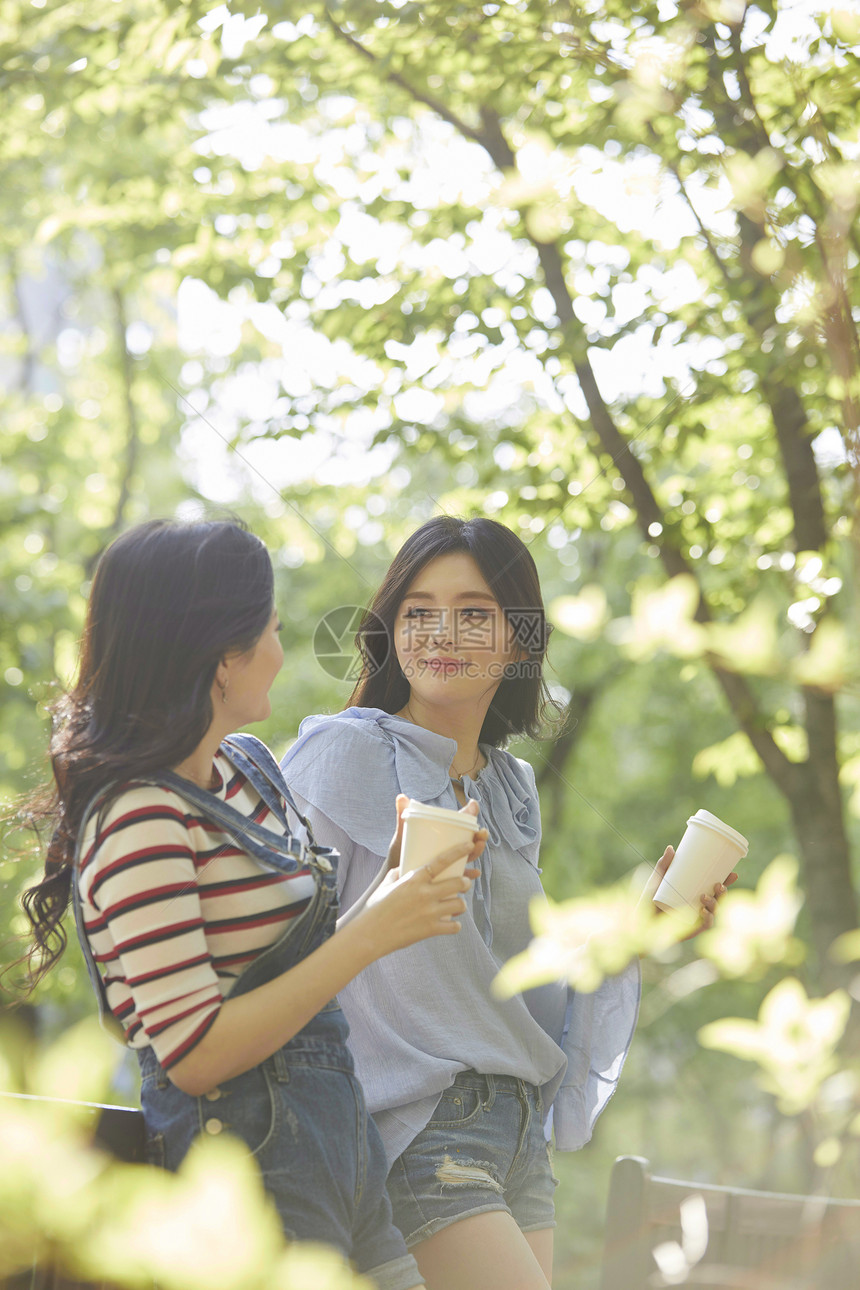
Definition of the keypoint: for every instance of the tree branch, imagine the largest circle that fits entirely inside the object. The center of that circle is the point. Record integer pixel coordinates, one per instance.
(549, 774)
(612, 442)
(420, 96)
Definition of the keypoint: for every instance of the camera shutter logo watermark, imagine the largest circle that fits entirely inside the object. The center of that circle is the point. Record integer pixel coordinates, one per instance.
(334, 642)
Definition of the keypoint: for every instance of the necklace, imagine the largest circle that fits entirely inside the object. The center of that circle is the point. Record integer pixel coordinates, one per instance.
(455, 779)
(458, 779)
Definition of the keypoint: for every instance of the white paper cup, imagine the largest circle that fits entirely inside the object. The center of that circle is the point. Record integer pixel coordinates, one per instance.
(430, 830)
(706, 855)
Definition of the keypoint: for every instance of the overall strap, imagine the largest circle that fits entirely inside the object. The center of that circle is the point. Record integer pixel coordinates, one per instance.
(256, 752)
(247, 834)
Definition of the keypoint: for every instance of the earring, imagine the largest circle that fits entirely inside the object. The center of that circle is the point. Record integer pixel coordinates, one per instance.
(223, 689)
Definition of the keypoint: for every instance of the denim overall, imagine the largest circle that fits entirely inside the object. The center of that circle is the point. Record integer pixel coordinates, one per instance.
(301, 1112)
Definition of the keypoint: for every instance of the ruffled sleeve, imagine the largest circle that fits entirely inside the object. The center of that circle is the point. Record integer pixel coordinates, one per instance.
(597, 1035)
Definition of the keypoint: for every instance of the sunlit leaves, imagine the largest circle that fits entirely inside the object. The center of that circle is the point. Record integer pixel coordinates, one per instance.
(846, 25)
(48, 1183)
(846, 948)
(583, 616)
(79, 1065)
(727, 761)
(751, 177)
(827, 665)
(217, 1194)
(586, 939)
(793, 1042)
(65, 1205)
(753, 930)
(749, 644)
(662, 618)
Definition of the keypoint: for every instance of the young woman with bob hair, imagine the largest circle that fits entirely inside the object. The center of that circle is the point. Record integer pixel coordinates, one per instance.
(205, 907)
(461, 1084)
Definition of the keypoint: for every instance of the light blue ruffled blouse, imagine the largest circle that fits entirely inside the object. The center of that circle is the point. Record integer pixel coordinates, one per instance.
(419, 1016)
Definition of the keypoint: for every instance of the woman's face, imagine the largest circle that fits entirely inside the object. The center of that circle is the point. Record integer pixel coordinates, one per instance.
(451, 636)
(249, 677)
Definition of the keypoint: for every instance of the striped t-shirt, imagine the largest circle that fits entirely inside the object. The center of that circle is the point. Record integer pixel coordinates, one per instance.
(174, 910)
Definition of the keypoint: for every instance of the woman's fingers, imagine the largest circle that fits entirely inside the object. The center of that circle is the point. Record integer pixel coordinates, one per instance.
(401, 801)
(656, 875)
(477, 851)
(458, 852)
(708, 907)
(665, 860)
(454, 905)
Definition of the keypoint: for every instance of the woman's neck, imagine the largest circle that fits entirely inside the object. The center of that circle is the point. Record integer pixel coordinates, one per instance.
(463, 727)
(199, 767)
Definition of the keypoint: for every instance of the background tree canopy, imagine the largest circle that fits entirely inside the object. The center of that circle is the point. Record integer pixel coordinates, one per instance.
(589, 268)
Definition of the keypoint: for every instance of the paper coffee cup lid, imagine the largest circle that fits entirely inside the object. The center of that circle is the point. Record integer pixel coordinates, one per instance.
(714, 822)
(420, 811)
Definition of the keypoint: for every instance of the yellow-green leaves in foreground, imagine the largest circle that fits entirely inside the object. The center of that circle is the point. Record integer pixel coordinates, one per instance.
(66, 1205)
(794, 1041)
(210, 1227)
(753, 929)
(586, 939)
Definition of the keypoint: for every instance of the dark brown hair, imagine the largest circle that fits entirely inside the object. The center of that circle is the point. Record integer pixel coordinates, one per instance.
(169, 600)
(522, 701)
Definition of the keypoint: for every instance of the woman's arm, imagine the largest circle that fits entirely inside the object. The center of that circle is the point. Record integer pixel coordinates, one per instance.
(253, 1026)
(145, 921)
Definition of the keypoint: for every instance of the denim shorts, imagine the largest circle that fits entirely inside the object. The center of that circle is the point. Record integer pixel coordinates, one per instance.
(301, 1113)
(483, 1149)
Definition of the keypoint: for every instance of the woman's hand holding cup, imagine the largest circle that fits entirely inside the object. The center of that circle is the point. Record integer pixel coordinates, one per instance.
(707, 900)
(423, 902)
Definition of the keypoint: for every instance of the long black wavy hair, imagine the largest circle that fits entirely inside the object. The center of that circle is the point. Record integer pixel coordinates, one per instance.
(169, 600)
(522, 703)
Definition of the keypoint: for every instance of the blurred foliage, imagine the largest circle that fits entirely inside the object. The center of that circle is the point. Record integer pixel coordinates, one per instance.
(794, 1041)
(754, 929)
(65, 1204)
(588, 269)
(588, 938)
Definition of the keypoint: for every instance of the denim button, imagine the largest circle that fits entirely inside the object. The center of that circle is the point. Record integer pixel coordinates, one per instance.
(213, 1126)
(212, 1095)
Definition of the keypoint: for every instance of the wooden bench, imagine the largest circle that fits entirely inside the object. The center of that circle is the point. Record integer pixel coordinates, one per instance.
(119, 1130)
(729, 1238)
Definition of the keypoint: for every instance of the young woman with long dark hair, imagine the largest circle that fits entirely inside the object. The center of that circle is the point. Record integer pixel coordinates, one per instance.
(205, 907)
(461, 1083)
